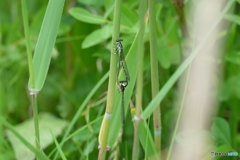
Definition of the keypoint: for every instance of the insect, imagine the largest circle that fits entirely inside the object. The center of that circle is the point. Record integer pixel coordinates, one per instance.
(122, 84)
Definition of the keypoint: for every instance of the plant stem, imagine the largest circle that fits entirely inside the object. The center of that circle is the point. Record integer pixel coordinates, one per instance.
(36, 124)
(154, 73)
(179, 114)
(103, 135)
(31, 72)
(28, 43)
(139, 85)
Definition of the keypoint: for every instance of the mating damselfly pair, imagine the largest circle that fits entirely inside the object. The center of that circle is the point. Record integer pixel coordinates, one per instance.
(122, 84)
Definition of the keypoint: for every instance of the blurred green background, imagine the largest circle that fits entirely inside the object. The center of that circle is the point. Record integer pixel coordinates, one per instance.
(80, 59)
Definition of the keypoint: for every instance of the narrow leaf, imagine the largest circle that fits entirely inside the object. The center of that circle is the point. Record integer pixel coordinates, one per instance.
(233, 18)
(221, 131)
(97, 36)
(59, 148)
(85, 16)
(46, 41)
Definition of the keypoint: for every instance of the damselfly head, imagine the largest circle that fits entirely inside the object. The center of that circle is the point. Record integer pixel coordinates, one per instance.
(119, 40)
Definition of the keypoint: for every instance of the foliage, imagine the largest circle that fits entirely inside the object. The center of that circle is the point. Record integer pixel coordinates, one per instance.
(75, 86)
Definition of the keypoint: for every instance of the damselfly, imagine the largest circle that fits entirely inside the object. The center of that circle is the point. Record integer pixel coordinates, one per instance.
(122, 84)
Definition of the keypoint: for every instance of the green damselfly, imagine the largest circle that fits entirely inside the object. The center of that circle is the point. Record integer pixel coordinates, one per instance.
(122, 84)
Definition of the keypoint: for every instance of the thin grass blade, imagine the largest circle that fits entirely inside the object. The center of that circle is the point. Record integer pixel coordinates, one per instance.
(59, 148)
(37, 152)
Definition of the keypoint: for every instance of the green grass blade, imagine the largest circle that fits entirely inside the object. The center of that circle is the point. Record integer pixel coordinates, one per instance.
(58, 147)
(37, 152)
(46, 41)
(80, 109)
(162, 93)
(146, 139)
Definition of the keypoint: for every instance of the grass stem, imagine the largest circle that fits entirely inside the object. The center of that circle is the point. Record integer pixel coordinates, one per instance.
(31, 72)
(104, 131)
(154, 73)
(139, 85)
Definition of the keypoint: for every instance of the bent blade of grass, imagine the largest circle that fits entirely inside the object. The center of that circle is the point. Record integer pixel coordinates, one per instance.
(46, 41)
(80, 109)
(115, 125)
(58, 147)
(162, 93)
(37, 152)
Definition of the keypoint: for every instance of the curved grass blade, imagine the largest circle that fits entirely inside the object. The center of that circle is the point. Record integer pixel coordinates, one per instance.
(46, 41)
(38, 153)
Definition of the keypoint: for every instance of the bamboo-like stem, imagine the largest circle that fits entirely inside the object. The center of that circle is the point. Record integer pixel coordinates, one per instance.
(104, 131)
(31, 73)
(139, 85)
(154, 73)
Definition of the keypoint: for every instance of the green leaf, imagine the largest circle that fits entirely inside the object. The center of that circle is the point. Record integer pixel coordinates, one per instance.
(224, 148)
(20, 140)
(233, 57)
(146, 139)
(233, 18)
(90, 146)
(85, 16)
(221, 131)
(46, 41)
(128, 17)
(98, 36)
(92, 2)
(229, 90)
(47, 123)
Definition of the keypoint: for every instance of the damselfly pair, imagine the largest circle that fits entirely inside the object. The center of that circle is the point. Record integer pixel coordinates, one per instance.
(122, 84)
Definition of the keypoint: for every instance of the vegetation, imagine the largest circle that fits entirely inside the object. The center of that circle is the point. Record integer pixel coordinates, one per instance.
(58, 68)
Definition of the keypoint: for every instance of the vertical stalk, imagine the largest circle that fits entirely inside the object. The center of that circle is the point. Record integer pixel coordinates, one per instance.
(36, 124)
(179, 113)
(103, 135)
(139, 85)
(154, 73)
(33, 92)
